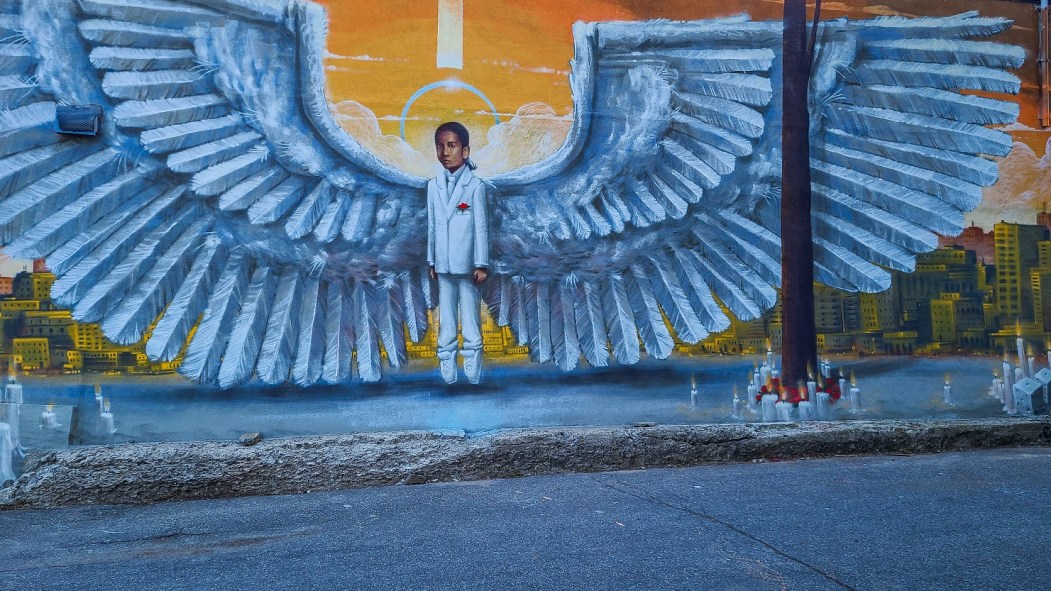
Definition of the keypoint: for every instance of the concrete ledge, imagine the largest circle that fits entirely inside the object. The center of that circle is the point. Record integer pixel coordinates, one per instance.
(151, 472)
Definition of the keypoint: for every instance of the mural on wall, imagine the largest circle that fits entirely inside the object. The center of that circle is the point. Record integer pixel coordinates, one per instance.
(245, 215)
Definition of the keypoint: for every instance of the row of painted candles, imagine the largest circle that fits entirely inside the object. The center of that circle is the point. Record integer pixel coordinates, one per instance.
(49, 418)
(814, 406)
(1011, 387)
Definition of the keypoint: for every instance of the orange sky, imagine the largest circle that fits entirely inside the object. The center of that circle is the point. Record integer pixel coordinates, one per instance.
(518, 52)
(515, 53)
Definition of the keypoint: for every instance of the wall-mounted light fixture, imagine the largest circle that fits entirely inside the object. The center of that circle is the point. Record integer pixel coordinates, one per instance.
(78, 119)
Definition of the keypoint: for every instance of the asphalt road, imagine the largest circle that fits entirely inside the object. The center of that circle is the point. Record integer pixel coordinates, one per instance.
(973, 520)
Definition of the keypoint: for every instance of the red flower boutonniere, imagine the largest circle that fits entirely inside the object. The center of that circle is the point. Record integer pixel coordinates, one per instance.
(463, 206)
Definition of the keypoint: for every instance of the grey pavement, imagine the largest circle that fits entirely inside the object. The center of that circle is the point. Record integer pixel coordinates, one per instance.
(966, 520)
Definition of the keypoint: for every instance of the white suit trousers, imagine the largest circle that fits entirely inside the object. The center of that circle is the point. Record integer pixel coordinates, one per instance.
(458, 298)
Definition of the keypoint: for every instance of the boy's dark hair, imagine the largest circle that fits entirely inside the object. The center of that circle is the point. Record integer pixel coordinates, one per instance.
(457, 128)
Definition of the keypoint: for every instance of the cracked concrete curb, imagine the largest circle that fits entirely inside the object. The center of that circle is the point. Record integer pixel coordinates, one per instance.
(139, 473)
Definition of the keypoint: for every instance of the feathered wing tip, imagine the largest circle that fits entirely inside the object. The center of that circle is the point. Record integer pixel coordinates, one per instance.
(282, 330)
(206, 349)
(648, 318)
(367, 343)
(853, 273)
(415, 300)
(565, 342)
(967, 24)
(339, 333)
(565, 320)
(310, 344)
(623, 336)
(537, 308)
(591, 324)
(902, 155)
(246, 338)
(175, 325)
(108, 290)
(673, 299)
(388, 307)
(129, 321)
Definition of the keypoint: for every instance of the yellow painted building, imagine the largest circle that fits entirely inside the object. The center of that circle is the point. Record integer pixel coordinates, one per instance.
(19, 305)
(1043, 254)
(879, 311)
(35, 352)
(69, 360)
(101, 360)
(835, 342)
(1017, 251)
(50, 324)
(1040, 283)
(88, 337)
(33, 286)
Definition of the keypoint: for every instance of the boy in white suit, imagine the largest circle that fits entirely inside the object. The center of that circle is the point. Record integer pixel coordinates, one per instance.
(457, 250)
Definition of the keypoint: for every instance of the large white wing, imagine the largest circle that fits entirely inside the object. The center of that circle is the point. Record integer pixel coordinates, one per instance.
(221, 201)
(664, 203)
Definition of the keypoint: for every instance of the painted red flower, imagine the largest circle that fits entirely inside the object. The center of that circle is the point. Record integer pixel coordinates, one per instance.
(463, 206)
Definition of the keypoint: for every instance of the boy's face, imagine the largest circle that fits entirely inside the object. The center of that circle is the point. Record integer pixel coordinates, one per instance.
(451, 153)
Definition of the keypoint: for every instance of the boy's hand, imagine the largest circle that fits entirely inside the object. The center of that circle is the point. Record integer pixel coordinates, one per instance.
(480, 275)
(434, 274)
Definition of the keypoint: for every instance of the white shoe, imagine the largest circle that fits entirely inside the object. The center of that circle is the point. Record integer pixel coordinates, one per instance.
(472, 366)
(447, 365)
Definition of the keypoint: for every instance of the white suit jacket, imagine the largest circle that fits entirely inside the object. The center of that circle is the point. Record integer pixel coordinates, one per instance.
(457, 225)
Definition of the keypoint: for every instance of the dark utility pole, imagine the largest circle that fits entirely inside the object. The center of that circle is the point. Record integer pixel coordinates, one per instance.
(798, 337)
(1042, 114)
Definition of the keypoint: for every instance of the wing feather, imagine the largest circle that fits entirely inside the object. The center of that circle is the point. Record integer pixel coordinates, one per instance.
(129, 321)
(107, 248)
(591, 324)
(564, 341)
(648, 318)
(205, 351)
(106, 291)
(309, 211)
(367, 344)
(76, 218)
(132, 59)
(279, 342)
(242, 352)
(620, 320)
(390, 321)
(183, 136)
(310, 344)
(27, 127)
(277, 202)
(176, 324)
(415, 305)
(339, 333)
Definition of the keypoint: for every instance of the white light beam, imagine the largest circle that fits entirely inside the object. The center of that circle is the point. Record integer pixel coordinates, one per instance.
(450, 34)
